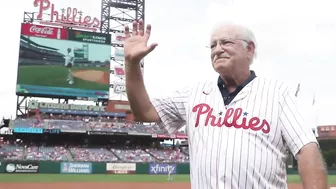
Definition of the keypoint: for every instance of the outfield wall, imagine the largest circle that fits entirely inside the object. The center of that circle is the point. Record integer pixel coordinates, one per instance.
(12, 167)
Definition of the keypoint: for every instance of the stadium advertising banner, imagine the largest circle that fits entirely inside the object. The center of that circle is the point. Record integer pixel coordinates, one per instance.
(107, 133)
(21, 167)
(118, 87)
(43, 31)
(57, 62)
(30, 130)
(121, 168)
(71, 108)
(89, 37)
(159, 168)
(119, 54)
(52, 131)
(174, 136)
(119, 38)
(76, 168)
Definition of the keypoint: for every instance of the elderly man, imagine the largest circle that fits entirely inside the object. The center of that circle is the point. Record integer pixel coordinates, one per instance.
(239, 125)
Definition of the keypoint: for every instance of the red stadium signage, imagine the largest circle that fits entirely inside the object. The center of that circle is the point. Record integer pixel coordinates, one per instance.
(174, 136)
(181, 136)
(119, 38)
(44, 31)
(70, 17)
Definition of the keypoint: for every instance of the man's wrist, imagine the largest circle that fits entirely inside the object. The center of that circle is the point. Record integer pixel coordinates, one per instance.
(132, 64)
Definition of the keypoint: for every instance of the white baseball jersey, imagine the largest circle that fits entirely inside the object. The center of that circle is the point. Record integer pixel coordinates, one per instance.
(170, 169)
(241, 145)
(68, 59)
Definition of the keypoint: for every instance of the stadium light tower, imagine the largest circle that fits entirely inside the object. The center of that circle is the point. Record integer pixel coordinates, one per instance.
(115, 15)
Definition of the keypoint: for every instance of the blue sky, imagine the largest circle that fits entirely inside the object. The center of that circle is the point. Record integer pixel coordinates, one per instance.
(295, 43)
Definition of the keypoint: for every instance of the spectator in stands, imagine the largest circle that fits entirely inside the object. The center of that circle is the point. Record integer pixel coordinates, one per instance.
(69, 61)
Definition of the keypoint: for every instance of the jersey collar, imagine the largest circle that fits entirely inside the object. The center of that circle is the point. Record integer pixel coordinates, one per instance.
(220, 81)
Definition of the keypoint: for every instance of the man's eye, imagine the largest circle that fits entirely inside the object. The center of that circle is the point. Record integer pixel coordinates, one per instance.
(226, 42)
(212, 46)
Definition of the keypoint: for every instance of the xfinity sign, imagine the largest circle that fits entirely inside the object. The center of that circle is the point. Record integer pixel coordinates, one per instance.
(157, 169)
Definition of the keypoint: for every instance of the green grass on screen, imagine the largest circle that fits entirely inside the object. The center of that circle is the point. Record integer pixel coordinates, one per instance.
(55, 76)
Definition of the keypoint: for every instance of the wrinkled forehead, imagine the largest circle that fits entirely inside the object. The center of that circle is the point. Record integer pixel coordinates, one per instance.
(229, 32)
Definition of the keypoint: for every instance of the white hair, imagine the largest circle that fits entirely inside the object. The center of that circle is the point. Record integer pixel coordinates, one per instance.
(243, 32)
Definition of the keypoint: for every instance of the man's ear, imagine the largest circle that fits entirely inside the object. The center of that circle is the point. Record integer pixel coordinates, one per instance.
(251, 49)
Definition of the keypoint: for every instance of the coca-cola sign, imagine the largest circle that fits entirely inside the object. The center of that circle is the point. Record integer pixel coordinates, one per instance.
(68, 17)
(44, 31)
(119, 38)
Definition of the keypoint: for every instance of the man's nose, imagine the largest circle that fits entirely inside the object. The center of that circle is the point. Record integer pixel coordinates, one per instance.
(217, 50)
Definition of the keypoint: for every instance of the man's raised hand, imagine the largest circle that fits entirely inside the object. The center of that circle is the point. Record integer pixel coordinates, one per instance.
(135, 47)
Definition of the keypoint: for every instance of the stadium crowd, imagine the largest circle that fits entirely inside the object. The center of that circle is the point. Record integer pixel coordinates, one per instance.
(18, 150)
(79, 153)
(85, 123)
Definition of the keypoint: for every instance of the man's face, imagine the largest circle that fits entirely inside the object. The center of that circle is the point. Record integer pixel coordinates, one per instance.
(229, 51)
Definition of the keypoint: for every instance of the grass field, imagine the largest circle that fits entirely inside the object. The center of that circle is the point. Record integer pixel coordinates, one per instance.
(55, 76)
(111, 178)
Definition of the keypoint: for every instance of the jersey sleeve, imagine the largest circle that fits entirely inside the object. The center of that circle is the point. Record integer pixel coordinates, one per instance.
(172, 110)
(294, 130)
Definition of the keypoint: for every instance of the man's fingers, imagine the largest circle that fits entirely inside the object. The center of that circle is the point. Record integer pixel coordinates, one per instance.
(148, 30)
(127, 32)
(151, 47)
(141, 28)
(135, 28)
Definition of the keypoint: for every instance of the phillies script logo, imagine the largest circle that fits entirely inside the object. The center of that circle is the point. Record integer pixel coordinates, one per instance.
(70, 17)
(254, 123)
(41, 30)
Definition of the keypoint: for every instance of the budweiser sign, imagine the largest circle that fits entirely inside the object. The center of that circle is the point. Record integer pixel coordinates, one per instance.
(44, 31)
(69, 17)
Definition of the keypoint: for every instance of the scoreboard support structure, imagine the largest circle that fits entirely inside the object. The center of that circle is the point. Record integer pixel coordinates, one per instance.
(115, 14)
(21, 106)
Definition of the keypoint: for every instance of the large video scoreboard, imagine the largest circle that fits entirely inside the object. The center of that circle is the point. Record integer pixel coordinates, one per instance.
(44, 57)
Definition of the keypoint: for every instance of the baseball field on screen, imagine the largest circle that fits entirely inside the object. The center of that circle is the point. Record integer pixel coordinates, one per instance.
(93, 78)
(72, 181)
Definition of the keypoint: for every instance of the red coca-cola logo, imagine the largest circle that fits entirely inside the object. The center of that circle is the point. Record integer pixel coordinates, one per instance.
(120, 38)
(42, 30)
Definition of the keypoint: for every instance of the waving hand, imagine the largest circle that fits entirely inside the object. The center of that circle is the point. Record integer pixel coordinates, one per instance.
(135, 47)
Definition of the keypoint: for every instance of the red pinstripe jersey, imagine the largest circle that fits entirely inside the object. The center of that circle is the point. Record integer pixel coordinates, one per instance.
(241, 145)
